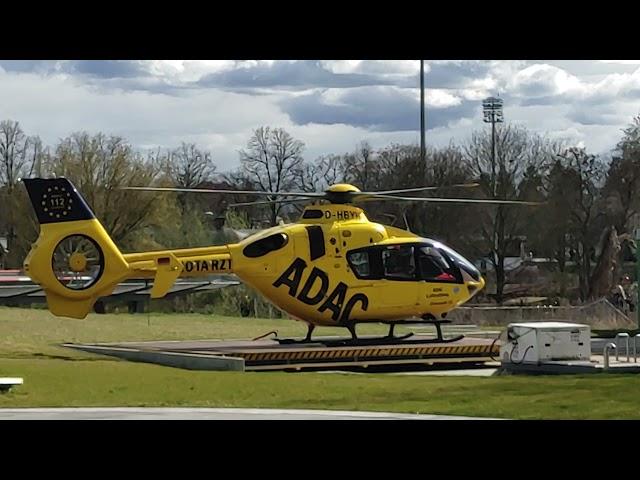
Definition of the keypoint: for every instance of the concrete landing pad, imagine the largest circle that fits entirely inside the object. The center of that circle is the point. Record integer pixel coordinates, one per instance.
(266, 354)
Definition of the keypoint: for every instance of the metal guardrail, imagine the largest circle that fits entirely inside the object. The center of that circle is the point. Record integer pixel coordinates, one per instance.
(626, 337)
(20, 290)
(605, 352)
(600, 312)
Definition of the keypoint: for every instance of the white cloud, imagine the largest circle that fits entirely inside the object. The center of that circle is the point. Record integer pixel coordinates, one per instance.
(188, 70)
(341, 66)
(380, 67)
(337, 103)
(55, 106)
(618, 84)
(338, 139)
(438, 98)
(543, 80)
(622, 62)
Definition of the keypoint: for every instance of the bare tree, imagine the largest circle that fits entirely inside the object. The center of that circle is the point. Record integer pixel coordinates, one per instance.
(98, 165)
(553, 234)
(516, 152)
(622, 185)
(320, 174)
(401, 166)
(270, 161)
(19, 154)
(360, 169)
(583, 177)
(188, 166)
(17, 159)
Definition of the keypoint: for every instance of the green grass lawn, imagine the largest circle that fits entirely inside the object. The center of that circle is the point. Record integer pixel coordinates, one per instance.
(56, 376)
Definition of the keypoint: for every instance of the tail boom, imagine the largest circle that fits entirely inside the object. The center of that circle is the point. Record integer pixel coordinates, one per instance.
(166, 266)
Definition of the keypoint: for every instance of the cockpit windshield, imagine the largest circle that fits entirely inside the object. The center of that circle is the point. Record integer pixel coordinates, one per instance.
(433, 266)
(430, 261)
(462, 262)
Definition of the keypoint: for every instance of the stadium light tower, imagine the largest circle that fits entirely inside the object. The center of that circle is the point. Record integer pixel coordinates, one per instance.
(492, 109)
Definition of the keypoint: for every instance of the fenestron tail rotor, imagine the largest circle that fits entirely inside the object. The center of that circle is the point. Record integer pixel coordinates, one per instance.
(77, 262)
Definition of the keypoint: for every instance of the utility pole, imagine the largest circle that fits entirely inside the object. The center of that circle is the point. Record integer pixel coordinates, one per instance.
(422, 143)
(637, 252)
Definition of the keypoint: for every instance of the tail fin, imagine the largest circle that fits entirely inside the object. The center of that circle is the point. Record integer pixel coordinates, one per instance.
(73, 259)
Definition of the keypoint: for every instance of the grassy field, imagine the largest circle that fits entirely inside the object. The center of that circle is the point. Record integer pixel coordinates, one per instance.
(55, 376)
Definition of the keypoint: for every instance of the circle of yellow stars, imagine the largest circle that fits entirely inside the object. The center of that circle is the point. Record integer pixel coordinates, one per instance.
(57, 191)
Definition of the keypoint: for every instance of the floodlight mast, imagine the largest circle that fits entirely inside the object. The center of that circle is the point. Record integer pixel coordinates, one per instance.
(492, 109)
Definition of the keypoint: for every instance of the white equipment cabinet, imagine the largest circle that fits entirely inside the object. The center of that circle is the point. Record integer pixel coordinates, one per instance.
(540, 342)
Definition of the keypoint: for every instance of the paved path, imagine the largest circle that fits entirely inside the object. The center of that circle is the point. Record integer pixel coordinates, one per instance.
(204, 414)
(475, 372)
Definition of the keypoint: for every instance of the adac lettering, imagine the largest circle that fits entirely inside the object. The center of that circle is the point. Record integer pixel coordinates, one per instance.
(207, 265)
(335, 301)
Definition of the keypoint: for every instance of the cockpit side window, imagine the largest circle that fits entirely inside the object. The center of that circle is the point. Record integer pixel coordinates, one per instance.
(360, 263)
(393, 262)
(265, 245)
(365, 263)
(399, 262)
(434, 267)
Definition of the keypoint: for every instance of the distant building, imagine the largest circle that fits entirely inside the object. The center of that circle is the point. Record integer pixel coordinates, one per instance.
(513, 263)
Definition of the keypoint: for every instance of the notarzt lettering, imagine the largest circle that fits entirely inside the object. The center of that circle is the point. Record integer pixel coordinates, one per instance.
(335, 302)
(207, 265)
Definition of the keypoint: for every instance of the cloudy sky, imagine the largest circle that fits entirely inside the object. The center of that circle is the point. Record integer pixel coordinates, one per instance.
(330, 105)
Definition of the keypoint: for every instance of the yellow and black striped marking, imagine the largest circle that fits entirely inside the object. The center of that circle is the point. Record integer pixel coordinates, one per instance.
(328, 354)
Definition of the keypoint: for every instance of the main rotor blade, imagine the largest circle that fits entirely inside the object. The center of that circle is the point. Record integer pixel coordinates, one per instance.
(422, 189)
(454, 200)
(267, 202)
(239, 192)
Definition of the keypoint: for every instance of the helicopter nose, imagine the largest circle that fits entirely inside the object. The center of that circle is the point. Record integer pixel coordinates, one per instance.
(474, 286)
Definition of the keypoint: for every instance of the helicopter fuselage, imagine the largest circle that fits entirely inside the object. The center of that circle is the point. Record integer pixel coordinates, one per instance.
(332, 267)
(335, 267)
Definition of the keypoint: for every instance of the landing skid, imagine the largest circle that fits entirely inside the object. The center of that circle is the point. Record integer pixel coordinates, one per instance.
(333, 342)
(389, 339)
(363, 342)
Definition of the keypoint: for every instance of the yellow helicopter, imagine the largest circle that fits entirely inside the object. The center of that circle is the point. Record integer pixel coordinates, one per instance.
(333, 267)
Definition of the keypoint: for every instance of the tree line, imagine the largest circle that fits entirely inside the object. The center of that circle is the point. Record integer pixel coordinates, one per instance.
(583, 195)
